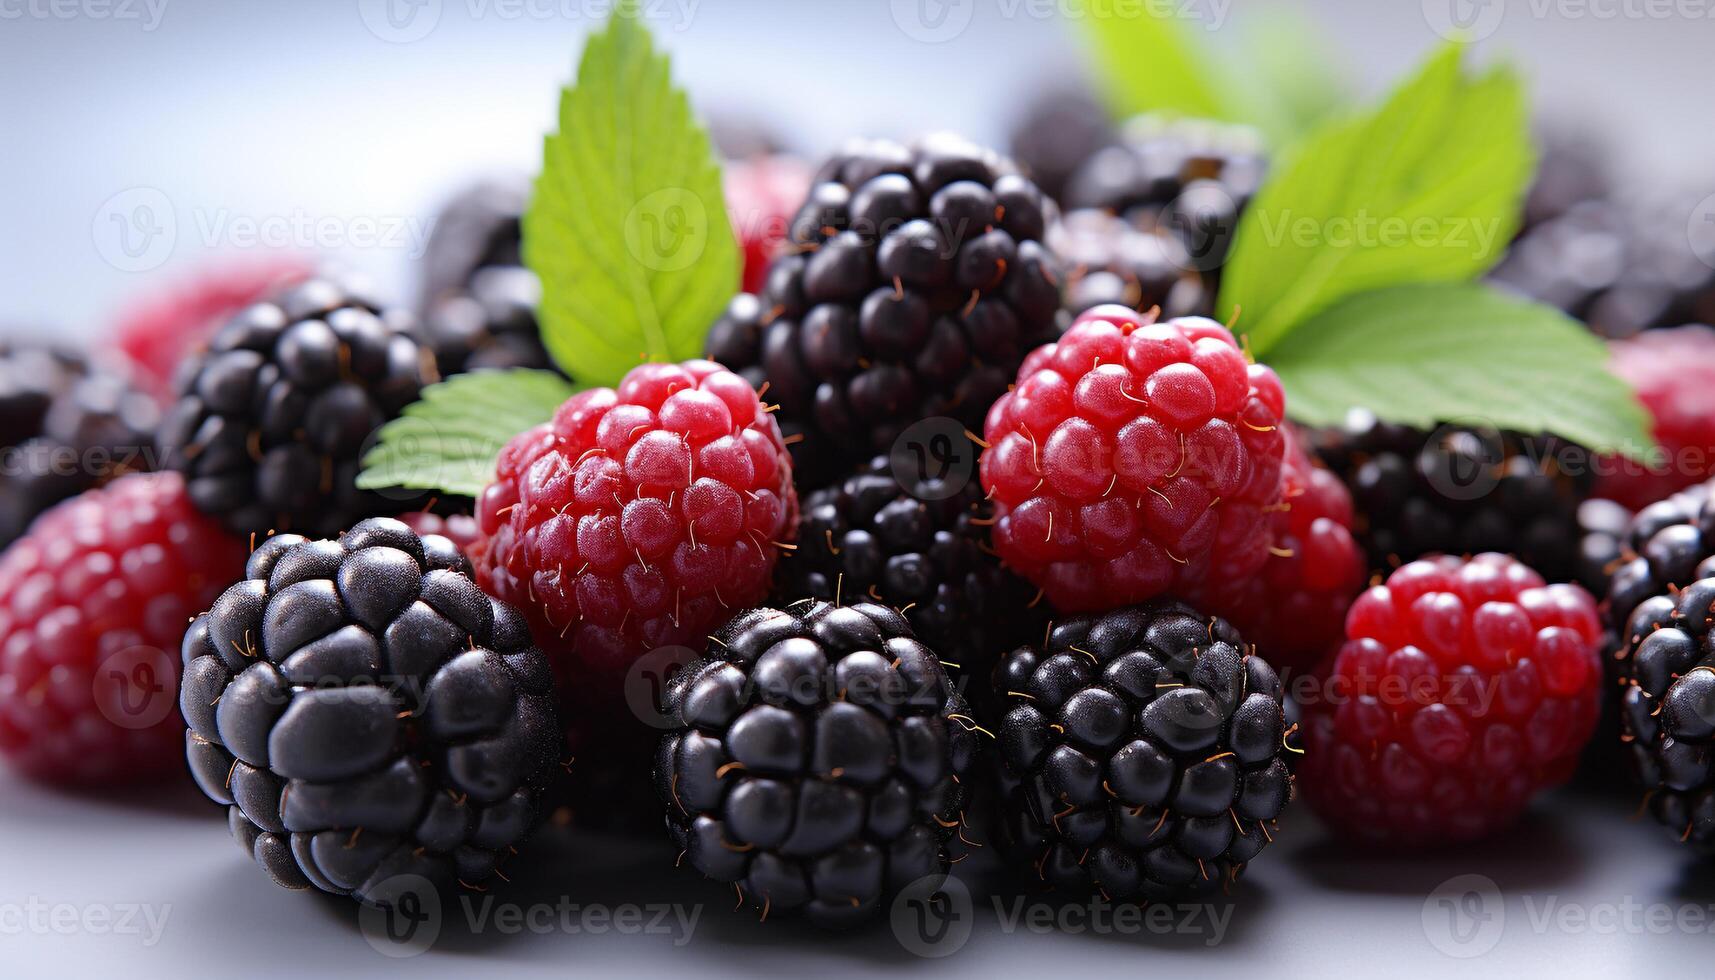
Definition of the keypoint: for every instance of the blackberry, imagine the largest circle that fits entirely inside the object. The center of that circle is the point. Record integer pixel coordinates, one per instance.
(927, 555)
(1141, 753)
(735, 341)
(913, 284)
(67, 422)
(1110, 259)
(816, 761)
(1661, 605)
(272, 420)
(479, 227)
(1059, 130)
(1461, 491)
(1602, 529)
(365, 711)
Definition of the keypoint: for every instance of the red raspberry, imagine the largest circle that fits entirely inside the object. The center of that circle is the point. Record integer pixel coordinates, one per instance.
(93, 604)
(1134, 458)
(1673, 373)
(1295, 610)
(639, 518)
(762, 195)
(1465, 687)
(460, 529)
(160, 331)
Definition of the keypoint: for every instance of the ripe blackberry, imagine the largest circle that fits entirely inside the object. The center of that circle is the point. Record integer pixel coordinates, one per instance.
(1465, 687)
(1461, 491)
(1135, 458)
(1602, 529)
(1142, 753)
(1660, 607)
(926, 555)
(67, 422)
(638, 518)
(166, 327)
(272, 421)
(735, 340)
(478, 228)
(92, 603)
(1060, 129)
(365, 711)
(762, 194)
(1109, 259)
(1295, 609)
(490, 323)
(1184, 178)
(914, 284)
(816, 760)
(1672, 371)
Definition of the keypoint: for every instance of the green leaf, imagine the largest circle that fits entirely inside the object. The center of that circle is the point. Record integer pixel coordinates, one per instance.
(627, 227)
(1153, 62)
(1427, 188)
(1459, 352)
(449, 440)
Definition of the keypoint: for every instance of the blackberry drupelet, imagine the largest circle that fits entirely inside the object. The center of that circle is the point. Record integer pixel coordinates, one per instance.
(1461, 491)
(1060, 129)
(929, 558)
(1661, 605)
(365, 711)
(272, 421)
(1602, 529)
(67, 422)
(816, 760)
(914, 282)
(1142, 753)
(1111, 259)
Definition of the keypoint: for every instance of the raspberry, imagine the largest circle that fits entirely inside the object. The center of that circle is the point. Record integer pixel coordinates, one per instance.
(67, 422)
(272, 421)
(762, 193)
(1295, 610)
(1135, 458)
(1673, 373)
(815, 760)
(1142, 753)
(927, 556)
(638, 518)
(166, 327)
(1464, 688)
(92, 603)
(365, 712)
(1461, 491)
(915, 282)
(460, 529)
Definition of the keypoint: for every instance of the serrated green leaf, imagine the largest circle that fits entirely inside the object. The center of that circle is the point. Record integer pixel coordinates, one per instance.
(1153, 62)
(1426, 188)
(449, 440)
(1459, 352)
(627, 227)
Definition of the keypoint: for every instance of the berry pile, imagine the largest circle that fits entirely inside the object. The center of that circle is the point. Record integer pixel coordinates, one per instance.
(1465, 687)
(364, 711)
(67, 422)
(1111, 259)
(815, 760)
(1142, 753)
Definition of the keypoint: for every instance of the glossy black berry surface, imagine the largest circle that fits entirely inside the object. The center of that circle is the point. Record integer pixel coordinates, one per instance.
(272, 421)
(1141, 752)
(364, 712)
(816, 760)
